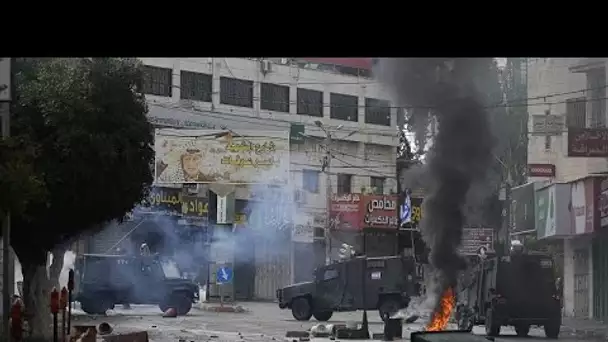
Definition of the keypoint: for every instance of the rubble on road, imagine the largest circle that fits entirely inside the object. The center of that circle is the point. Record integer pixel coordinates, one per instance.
(223, 308)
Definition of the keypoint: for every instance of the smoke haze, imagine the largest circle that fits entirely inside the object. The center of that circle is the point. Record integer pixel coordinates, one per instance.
(461, 151)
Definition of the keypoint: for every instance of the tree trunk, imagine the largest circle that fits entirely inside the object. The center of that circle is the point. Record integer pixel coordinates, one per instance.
(36, 299)
(56, 267)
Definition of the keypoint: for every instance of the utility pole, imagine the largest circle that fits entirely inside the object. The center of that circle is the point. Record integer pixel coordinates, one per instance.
(5, 101)
(328, 190)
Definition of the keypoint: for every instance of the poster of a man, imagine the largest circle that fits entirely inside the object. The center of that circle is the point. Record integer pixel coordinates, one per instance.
(191, 165)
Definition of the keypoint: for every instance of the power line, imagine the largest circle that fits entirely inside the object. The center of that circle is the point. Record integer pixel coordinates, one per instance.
(501, 104)
(247, 118)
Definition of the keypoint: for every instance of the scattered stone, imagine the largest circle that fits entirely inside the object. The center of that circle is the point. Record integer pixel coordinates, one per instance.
(320, 330)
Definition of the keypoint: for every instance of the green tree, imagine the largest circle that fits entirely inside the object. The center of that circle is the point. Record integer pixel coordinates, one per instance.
(84, 121)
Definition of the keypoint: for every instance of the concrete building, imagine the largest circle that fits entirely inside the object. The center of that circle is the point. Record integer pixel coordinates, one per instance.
(283, 94)
(572, 90)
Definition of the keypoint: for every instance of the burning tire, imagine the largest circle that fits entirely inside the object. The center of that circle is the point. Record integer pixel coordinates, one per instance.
(492, 324)
(522, 329)
(323, 316)
(301, 309)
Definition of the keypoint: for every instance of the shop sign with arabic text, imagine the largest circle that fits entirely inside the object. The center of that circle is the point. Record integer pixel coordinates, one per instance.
(379, 212)
(345, 212)
(207, 156)
(171, 200)
(588, 142)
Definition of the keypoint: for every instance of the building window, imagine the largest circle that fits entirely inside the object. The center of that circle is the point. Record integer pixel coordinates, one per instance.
(236, 92)
(596, 82)
(196, 86)
(310, 181)
(377, 185)
(377, 112)
(344, 183)
(158, 81)
(310, 102)
(343, 107)
(275, 97)
(576, 112)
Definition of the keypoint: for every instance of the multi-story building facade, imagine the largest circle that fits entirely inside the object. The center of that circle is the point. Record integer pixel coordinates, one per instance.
(308, 97)
(567, 159)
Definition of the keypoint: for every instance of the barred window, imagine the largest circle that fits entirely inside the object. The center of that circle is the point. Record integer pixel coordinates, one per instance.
(310, 102)
(377, 112)
(196, 86)
(343, 107)
(275, 97)
(576, 112)
(236, 92)
(158, 81)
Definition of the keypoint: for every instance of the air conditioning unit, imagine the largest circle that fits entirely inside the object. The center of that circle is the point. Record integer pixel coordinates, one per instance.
(266, 66)
(299, 196)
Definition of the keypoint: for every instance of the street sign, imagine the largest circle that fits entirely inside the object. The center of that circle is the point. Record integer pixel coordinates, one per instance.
(223, 275)
(548, 125)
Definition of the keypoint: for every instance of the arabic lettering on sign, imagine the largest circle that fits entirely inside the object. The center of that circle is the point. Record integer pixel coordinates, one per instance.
(381, 204)
(192, 206)
(249, 162)
(587, 142)
(165, 197)
(381, 221)
(248, 146)
(352, 198)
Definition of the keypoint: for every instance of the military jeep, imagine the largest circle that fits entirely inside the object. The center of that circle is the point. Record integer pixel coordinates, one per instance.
(382, 283)
(106, 280)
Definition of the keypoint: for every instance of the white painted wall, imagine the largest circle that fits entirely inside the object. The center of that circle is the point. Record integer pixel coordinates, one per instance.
(552, 76)
(372, 146)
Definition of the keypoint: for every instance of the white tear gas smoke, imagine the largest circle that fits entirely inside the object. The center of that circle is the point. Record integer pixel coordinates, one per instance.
(262, 241)
(461, 151)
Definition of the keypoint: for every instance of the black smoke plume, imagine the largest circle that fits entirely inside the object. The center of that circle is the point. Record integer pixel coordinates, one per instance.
(461, 151)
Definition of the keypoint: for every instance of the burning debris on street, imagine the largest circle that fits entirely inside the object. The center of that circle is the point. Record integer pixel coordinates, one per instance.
(441, 316)
(460, 155)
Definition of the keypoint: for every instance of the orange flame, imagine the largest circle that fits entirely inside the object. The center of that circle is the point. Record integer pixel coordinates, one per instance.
(441, 316)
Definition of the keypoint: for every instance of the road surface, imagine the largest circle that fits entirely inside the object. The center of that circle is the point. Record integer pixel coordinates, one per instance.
(261, 322)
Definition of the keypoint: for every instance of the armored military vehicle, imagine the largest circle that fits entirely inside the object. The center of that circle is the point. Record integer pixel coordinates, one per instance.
(518, 290)
(106, 280)
(382, 283)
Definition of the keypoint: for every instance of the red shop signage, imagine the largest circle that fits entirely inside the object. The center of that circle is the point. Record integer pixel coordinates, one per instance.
(379, 212)
(344, 213)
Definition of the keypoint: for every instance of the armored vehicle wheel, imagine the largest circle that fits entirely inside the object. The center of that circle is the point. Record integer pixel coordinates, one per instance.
(388, 307)
(300, 309)
(522, 329)
(180, 301)
(323, 316)
(95, 306)
(552, 327)
(492, 325)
